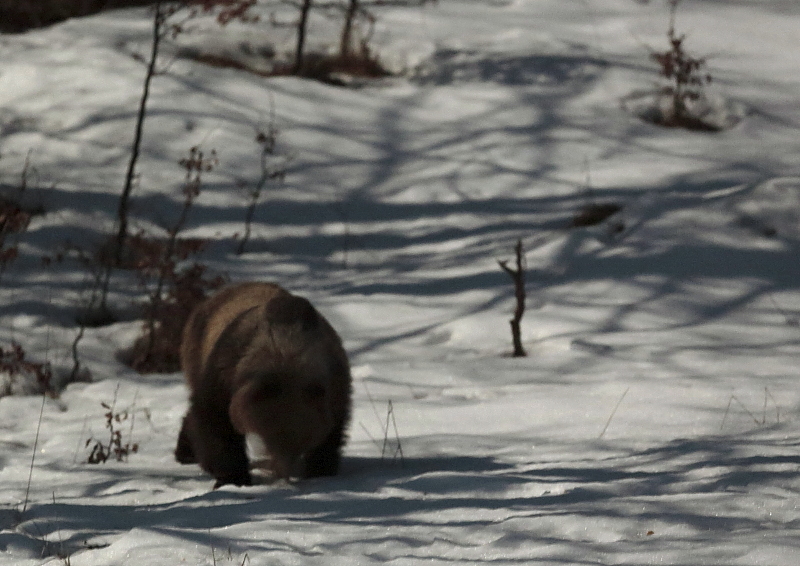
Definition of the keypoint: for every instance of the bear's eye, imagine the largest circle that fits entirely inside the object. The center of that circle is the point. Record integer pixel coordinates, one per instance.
(314, 391)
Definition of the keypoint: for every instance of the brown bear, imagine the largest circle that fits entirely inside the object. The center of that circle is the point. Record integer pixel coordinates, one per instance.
(259, 360)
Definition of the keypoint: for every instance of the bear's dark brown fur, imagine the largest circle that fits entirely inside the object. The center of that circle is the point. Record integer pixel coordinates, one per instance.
(259, 360)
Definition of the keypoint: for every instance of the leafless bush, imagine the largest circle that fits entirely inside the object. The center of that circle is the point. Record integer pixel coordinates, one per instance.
(114, 447)
(23, 376)
(14, 217)
(273, 170)
(686, 76)
(13, 220)
(174, 290)
(168, 18)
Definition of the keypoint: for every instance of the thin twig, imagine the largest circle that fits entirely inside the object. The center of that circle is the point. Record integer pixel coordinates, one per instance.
(122, 212)
(372, 403)
(518, 277)
(390, 418)
(614, 412)
(76, 363)
(41, 415)
(372, 438)
(725, 416)
(397, 436)
(777, 408)
(33, 456)
(745, 409)
(80, 440)
(133, 413)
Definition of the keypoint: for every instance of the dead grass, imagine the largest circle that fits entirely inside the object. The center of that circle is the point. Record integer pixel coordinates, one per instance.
(330, 69)
(338, 69)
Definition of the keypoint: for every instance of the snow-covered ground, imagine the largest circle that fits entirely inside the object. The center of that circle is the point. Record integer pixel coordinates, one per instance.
(656, 419)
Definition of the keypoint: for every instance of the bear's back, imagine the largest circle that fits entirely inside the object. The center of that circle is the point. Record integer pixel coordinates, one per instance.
(211, 318)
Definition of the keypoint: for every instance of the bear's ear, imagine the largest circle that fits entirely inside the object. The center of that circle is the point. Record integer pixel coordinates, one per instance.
(289, 310)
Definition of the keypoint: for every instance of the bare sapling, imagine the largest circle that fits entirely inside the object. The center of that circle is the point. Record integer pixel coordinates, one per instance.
(160, 14)
(518, 277)
(354, 12)
(302, 27)
(114, 255)
(114, 447)
(165, 21)
(174, 290)
(78, 372)
(353, 57)
(346, 40)
(686, 77)
(273, 170)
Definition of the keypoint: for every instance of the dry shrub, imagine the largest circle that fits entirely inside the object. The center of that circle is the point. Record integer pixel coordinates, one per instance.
(23, 376)
(336, 69)
(225, 11)
(102, 451)
(13, 220)
(173, 290)
(157, 350)
(686, 78)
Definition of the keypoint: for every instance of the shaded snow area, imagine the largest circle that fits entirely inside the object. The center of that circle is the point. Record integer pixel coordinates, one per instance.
(656, 417)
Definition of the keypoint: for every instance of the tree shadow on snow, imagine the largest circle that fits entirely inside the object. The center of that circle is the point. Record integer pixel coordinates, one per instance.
(674, 484)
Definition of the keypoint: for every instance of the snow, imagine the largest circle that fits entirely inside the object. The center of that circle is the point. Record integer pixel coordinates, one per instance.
(655, 420)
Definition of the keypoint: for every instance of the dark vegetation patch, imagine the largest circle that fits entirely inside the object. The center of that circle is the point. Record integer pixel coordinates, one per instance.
(21, 375)
(593, 214)
(17, 16)
(336, 69)
(14, 220)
